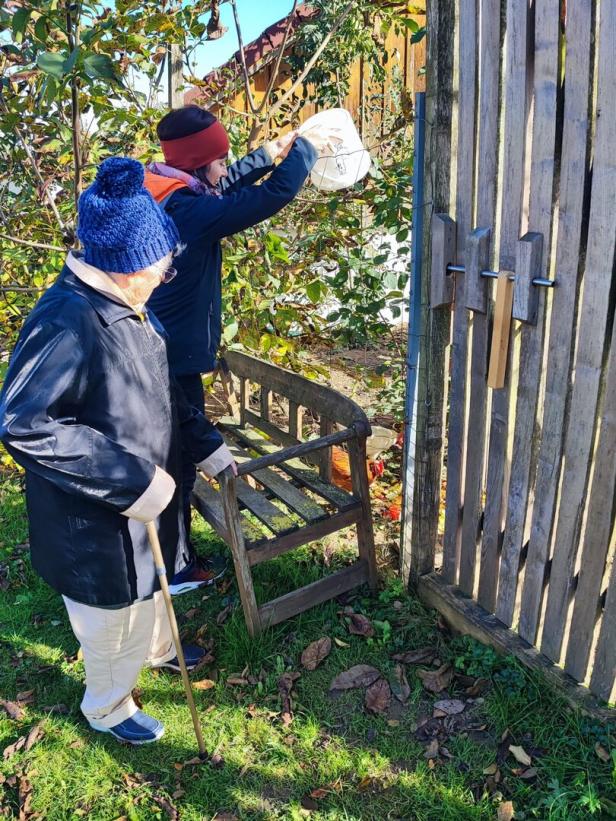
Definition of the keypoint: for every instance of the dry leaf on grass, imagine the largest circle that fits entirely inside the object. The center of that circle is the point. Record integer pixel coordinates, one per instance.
(237, 681)
(424, 655)
(378, 696)
(360, 675)
(400, 686)
(204, 684)
(25, 697)
(222, 616)
(436, 680)
(316, 652)
(24, 742)
(341, 643)
(190, 614)
(225, 816)
(432, 749)
(167, 806)
(525, 773)
(13, 709)
(601, 752)
(520, 754)
(450, 706)
(360, 625)
(505, 811)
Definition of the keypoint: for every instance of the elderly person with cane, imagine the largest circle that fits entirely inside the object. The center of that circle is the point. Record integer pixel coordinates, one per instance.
(90, 410)
(208, 201)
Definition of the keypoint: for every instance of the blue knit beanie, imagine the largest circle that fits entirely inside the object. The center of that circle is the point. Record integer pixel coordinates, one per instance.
(121, 227)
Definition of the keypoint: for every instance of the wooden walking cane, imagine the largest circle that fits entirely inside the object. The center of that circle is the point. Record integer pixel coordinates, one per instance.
(161, 572)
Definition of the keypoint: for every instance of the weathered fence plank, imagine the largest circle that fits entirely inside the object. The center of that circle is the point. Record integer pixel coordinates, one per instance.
(572, 178)
(604, 663)
(532, 307)
(467, 51)
(477, 299)
(592, 322)
(515, 102)
(598, 530)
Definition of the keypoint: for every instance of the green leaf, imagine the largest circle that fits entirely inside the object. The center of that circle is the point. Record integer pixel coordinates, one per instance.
(70, 63)
(313, 290)
(51, 62)
(19, 23)
(411, 24)
(40, 29)
(99, 67)
(230, 331)
(419, 35)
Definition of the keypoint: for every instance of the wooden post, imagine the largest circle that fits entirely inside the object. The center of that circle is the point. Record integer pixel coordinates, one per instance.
(175, 78)
(434, 323)
(361, 489)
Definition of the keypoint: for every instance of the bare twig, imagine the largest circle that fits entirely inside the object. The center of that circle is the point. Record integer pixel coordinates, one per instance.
(10, 289)
(307, 68)
(249, 96)
(42, 245)
(154, 88)
(279, 57)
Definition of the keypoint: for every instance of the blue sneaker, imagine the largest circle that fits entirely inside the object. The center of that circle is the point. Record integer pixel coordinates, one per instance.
(138, 729)
(198, 573)
(192, 656)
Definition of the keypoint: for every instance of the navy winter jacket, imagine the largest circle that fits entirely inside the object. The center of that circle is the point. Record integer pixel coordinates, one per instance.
(89, 409)
(189, 307)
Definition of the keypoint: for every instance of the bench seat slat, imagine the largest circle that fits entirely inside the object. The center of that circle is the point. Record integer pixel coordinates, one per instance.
(293, 497)
(209, 504)
(294, 467)
(276, 519)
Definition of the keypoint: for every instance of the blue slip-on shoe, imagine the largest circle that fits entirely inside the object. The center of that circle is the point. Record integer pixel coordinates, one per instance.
(198, 573)
(138, 729)
(192, 656)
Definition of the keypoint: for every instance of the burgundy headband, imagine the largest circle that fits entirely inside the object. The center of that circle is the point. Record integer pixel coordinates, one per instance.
(197, 150)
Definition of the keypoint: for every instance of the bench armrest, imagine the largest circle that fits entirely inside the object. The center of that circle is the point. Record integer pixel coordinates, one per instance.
(294, 451)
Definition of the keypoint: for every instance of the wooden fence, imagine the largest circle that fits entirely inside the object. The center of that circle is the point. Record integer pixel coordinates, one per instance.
(517, 382)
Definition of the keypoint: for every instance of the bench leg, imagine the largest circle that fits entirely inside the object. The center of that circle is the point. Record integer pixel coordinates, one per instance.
(238, 550)
(361, 489)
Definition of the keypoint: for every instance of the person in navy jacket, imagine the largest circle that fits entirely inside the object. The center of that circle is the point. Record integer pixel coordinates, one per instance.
(208, 201)
(90, 409)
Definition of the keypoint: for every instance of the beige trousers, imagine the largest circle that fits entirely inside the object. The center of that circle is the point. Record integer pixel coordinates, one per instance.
(116, 644)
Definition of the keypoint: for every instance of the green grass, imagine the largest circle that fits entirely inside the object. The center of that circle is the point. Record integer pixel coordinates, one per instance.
(372, 767)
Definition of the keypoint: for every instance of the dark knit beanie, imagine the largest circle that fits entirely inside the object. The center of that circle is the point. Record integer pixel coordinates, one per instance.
(192, 137)
(121, 227)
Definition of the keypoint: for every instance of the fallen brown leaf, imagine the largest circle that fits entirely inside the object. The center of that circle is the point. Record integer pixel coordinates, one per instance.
(432, 749)
(400, 686)
(520, 754)
(320, 792)
(341, 643)
(178, 793)
(525, 772)
(13, 709)
(424, 655)
(204, 684)
(223, 615)
(436, 680)
(505, 811)
(450, 706)
(491, 769)
(237, 681)
(316, 652)
(478, 687)
(378, 696)
(34, 735)
(601, 752)
(26, 697)
(190, 614)
(360, 625)
(167, 806)
(360, 675)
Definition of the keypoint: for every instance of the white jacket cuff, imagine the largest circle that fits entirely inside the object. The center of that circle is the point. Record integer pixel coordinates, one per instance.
(217, 461)
(154, 499)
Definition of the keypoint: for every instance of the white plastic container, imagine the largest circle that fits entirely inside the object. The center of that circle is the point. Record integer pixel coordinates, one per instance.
(349, 162)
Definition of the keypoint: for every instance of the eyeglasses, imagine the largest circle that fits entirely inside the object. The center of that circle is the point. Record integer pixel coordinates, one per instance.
(168, 275)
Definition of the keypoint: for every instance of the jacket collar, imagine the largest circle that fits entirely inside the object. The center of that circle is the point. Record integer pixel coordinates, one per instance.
(108, 306)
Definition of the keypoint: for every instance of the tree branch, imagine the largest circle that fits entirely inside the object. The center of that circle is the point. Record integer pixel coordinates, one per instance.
(72, 28)
(43, 245)
(322, 46)
(279, 57)
(249, 96)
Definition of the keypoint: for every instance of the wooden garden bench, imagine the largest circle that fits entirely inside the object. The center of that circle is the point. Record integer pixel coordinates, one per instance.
(279, 500)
